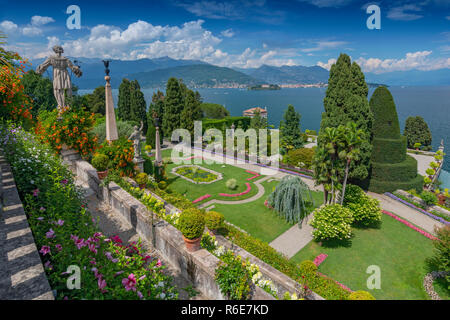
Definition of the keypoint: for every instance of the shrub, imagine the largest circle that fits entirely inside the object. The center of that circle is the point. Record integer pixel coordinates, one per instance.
(124, 130)
(121, 153)
(300, 157)
(332, 222)
(361, 295)
(417, 132)
(308, 267)
(214, 220)
(191, 223)
(167, 160)
(366, 212)
(233, 278)
(100, 162)
(162, 185)
(353, 194)
(429, 197)
(141, 178)
(231, 184)
(441, 258)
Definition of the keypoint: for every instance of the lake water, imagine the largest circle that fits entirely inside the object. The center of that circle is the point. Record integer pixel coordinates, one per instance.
(430, 102)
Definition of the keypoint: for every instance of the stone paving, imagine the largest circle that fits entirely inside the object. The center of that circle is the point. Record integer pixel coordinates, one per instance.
(22, 275)
(293, 240)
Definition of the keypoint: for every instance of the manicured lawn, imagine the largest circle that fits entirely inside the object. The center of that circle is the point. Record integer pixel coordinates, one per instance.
(256, 218)
(399, 251)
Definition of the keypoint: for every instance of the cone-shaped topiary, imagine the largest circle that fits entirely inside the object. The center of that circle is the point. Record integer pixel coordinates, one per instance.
(392, 168)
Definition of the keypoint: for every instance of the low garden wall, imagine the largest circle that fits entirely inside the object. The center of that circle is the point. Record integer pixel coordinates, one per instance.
(199, 267)
(421, 202)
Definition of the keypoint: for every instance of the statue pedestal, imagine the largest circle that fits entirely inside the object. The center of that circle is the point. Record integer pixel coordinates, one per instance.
(139, 162)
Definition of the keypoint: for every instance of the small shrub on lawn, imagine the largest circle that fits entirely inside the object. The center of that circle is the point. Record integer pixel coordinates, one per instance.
(191, 223)
(231, 184)
(353, 194)
(367, 212)
(214, 220)
(332, 222)
(308, 267)
(361, 295)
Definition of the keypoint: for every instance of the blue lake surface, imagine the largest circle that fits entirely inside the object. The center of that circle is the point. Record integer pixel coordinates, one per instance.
(430, 102)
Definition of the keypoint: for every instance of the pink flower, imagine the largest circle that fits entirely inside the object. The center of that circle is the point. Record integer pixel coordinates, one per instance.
(118, 273)
(101, 284)
(92, 248)
(44, 250)
(116, 239)
(129, 283)
(42, 209)
(59, 247)
(60, 222)
(143, 277)
(64, 181)
(35, 192)
(80, 243)
(48, 265)
(158, 264)
(50, 234)
(110, 257)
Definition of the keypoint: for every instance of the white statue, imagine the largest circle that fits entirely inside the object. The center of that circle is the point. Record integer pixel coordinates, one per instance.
(137, 137)
(61, 80)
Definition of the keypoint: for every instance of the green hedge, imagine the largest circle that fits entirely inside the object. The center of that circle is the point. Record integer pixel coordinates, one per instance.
(381, 186)
(389, 150)
(222, 124)
(386, 123)
(402, 171)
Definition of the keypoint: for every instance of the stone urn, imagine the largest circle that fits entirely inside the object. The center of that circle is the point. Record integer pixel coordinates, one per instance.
(441, 198)
(192, 245)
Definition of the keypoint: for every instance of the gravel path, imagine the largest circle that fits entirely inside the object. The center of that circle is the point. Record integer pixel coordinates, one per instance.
(293, 240)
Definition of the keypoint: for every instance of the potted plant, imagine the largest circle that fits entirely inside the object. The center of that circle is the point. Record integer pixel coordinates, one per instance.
(192, 224)
(214, 221)
(417, 145)
(101, 162)
(141, 179)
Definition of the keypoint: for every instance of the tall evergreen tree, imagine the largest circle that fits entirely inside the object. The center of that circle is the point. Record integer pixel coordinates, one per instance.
(258, 122)
(346, 100)
(96, 100)
(191, 112)
(124, 103)
(291, 135)
(156, 108)
(173, 105)
(138, 106)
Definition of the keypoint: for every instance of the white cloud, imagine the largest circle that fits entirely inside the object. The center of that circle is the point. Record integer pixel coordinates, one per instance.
(328, 3)
(31, 31)
(327, 65)
(40, 21)
(227, 33)
(401, 13)
(323, 45)
(447, 17)
(8, 27)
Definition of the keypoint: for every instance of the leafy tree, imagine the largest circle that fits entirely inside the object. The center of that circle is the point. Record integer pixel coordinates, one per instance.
(96, 100)
(191, 112)
(257, 122)
(346, 100)
(214, 111)
(173, 105)
(291, 135)
(40, 90)
(417, 131)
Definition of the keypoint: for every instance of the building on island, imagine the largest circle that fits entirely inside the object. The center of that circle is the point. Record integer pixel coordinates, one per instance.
(252, 111)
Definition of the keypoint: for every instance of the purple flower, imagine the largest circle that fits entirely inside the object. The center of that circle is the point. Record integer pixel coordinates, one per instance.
(64, 181)
(50, 234)
(140, 295)
(59, 247)
(101, 284)
(36, 192)
(42, 209)
(40, 218)
(44, 250)
(129, 283)
(118, 273)
(143, 277)
(48, 265)
(60, 222)
(110, 257)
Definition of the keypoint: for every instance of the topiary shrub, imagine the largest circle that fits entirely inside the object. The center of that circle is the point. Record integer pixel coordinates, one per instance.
(308, 267)
(429, 198)
(231, 184)
(100, 162)
(191, 223)
(366, 212)
(300, 157)
(141, 178)
(214, 220)
(332, 222)
(361, 295)
(162, 185)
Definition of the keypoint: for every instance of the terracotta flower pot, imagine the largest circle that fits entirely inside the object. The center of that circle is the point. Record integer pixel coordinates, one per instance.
(142, 186)
(192, 245)
(102, 174)
(442, 199)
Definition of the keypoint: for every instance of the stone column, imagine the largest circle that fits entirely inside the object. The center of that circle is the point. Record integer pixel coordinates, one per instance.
(158, 157)
(111, 127)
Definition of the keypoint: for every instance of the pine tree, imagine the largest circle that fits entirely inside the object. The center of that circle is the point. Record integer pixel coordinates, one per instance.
(346, 100)
(173, 105)
(123, 105)
(291, 135)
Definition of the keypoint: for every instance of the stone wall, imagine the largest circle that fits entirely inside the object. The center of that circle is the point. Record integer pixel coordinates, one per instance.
(22, 275)
(199, 267)
(421, 202)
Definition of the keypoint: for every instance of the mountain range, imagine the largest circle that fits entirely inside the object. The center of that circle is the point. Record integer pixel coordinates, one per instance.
(195, 73)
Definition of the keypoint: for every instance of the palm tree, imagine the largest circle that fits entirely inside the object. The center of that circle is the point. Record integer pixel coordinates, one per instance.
(351, 139)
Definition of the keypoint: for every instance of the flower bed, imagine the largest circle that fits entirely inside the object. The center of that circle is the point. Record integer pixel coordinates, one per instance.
(255, 175)
(426, 234)
(197, 174)
(249, 188)
(69, 239)
(206, 196)
(319, 259)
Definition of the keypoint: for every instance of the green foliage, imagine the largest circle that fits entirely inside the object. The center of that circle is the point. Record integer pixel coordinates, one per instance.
(429, 197)
(40, 90)
(231, 184)
(131, 103)
(332, 222)
(233, 278)
(162, 185)
(96, 101)
(361, 295)
(124, 130)
(291, 199)
(214, 111)
(366, 211)
(353, 194)
(191, 223)
(222, 124)
(291, 135)
(417, 131)
(308, 267)
(301, 158)
(196, 174)
(346, 100)
(389, 150)
(386, 123)
(141, 178)
(121, 154)
(100, 162)
(441, 258)
(173, 106)
(400, 171)
(258, 122)
(381, 186)
(191, 112)
(214, 220)
(430, 172)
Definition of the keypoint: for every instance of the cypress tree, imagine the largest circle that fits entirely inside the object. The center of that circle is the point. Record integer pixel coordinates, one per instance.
(291, 135)
(123, 105)
(156, 108)
(173, 105)
(191, 112)
(138, 106)
(346, 100)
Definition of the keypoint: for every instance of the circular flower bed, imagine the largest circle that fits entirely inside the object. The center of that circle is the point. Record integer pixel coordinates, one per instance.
(197, 174)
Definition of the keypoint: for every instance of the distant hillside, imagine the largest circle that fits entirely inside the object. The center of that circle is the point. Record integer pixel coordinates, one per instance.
(196, 76)
(288, 74)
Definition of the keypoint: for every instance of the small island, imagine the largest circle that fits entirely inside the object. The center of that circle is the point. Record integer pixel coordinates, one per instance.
(265, 87)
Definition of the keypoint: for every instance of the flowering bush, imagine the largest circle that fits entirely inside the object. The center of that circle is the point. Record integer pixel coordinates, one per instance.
(366, 212)
(74, 129)
(332, 222)
(67, 236)
(121, 154)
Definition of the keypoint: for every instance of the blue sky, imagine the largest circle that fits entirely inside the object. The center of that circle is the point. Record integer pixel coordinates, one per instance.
(245, 33)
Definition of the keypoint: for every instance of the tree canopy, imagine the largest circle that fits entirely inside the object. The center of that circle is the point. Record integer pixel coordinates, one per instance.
(291, 135)
(214, 111)
(417, 131)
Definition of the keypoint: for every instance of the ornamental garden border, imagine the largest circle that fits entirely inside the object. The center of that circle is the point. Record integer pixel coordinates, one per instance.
(217, 174)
